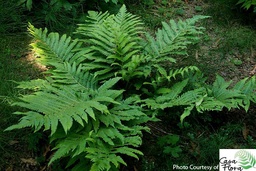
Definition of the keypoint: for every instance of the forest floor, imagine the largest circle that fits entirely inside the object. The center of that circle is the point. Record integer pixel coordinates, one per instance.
(227, 48)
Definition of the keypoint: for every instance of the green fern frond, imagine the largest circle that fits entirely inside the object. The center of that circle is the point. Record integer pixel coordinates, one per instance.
(106, 163)
(128, 110)
(64, 106)
(55, 106)
(175, 90)
(135, 141)
(25, 121)
(173, 38)
(186, 113)
(174, 97)
(221, 95)
(110, 134)
(113, 39)
(37, 84)
(67, 145)
(103, 157)
(247, 86)
(163, 77)
(129, 151)
(53, 49)
(182, 71)
(74, 76)
(227, 96)
(191, 97)
(108, 84)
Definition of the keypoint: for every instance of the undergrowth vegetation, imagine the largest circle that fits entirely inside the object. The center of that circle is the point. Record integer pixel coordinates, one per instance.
(105, 85)
(14, 21)
(248, 4)
(13, 67)
(125, 92)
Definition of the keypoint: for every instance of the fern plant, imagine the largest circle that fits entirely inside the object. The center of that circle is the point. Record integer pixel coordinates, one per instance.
(88, 121)
(204, 97)
(91, 119)
(117, 50)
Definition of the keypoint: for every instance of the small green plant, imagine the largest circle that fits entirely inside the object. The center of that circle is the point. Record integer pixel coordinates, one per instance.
(102, 87)
(169, 145)
(246, 4)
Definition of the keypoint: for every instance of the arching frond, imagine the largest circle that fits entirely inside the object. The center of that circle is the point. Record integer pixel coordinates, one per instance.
(173, 38)
(54, 49)
(113, 39)
(221, 95)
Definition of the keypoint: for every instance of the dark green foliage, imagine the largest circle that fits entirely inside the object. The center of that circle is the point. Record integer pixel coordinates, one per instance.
(169, 144)
(92, 121)
(12, 67)
(227, 12)
(62, 15)
(247, 4)
(55, 14)
(60, 3)
(11, 17)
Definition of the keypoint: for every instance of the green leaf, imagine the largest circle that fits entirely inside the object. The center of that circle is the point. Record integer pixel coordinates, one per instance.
(67, 145)
(174, 151)
(246, 159)
(109, 84)
(29, 4)
(186, 113)
(129, 151)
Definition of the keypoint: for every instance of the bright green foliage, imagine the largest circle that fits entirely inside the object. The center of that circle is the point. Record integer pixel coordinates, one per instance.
(220, 95)
(205, 98)
(174, 38)
(247, 3)
(118, 50)
(114, 43)
(170, 41)
(82, 102)
(88, 121)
